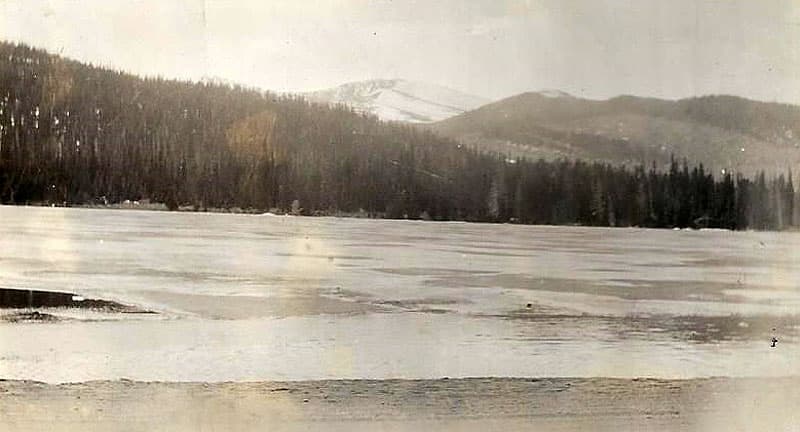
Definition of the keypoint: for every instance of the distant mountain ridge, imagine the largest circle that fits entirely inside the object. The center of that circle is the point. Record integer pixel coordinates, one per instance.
(400, 100)
(723, 132)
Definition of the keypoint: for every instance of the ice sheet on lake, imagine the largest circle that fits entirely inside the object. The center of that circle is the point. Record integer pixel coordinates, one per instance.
(372, 298)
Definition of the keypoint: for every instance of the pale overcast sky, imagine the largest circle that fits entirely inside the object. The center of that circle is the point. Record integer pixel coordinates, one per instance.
(492, 48)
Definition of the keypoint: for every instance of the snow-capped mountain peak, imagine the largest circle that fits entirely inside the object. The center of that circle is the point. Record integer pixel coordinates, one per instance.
(554, 94)
(400, 100)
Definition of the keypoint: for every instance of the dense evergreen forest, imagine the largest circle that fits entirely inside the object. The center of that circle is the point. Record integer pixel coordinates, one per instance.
(72, 133)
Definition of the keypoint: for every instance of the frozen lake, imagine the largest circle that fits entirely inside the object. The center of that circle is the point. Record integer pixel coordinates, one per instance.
(245, 297)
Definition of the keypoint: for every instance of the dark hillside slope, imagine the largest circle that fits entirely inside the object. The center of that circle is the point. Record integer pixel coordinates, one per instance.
(73, 133)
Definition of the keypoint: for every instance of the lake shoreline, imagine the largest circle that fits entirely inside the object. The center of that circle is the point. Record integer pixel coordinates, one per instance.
(556, 404)
(159, 207)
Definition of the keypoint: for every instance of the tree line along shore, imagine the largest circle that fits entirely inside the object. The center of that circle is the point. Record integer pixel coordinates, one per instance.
(76, 134)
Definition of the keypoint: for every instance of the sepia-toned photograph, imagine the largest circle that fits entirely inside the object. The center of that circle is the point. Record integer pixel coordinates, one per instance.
(399, 215)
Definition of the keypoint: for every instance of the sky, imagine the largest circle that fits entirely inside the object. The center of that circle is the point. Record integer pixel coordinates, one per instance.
(491, 48)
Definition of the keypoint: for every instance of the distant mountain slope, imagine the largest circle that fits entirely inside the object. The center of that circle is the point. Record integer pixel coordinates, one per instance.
(400, 100)
(723, 132)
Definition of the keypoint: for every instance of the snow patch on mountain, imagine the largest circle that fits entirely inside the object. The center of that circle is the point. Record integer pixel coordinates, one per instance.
(554, 94)
(400, 100)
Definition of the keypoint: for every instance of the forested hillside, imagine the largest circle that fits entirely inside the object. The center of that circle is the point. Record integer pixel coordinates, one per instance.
(76, 134)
